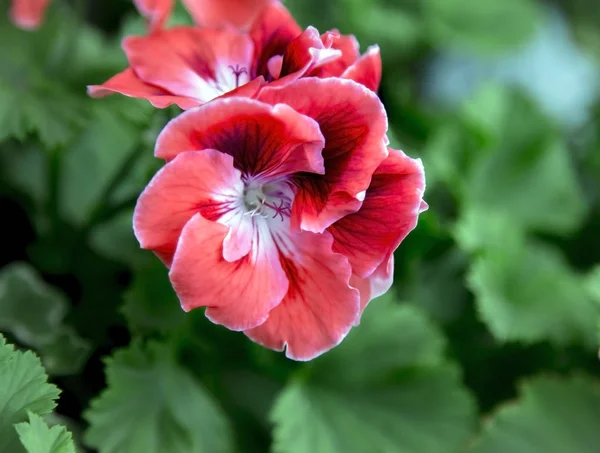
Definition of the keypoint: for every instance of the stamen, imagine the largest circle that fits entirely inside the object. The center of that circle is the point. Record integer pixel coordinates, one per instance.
(283, 208)
(237, 71)
(259, 199)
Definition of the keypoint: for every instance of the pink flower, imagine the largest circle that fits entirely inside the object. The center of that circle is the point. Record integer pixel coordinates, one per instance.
(206, 13)
(28, 14)
(190, 66)
(157, 12)
(281, 214)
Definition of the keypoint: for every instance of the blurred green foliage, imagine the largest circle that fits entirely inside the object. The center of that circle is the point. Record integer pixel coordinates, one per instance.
(486, 344)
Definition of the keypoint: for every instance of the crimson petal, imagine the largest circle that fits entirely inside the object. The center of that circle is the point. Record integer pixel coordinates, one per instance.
(305, 54)
(271, 33)
(263, 139)
(354, 123)
(389, 212)
(349, 48)
(367, 70)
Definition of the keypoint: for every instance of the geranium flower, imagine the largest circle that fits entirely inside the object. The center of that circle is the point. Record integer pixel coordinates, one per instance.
(28, 14)
(206, 13)
(281, 214)
(190, 66)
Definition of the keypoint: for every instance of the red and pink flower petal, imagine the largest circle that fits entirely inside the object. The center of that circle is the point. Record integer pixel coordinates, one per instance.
(305, 54)
(219, 13)
(272, 32)
(375, 285)
(367, 70)
(28, 14)
(263, 139)
(238, 295)
(196, 182)
(389, 212)
(129, 84)
(320, 306)
(354, 123)
(349, 49)
(157, 12)
(201, 64)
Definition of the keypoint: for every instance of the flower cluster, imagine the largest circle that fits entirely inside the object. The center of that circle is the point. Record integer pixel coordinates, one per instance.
(280, 204)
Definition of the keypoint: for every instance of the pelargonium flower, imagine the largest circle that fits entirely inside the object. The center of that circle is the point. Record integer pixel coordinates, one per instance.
(190, 66)
(280, 214)
(206, 13)
(28, 14)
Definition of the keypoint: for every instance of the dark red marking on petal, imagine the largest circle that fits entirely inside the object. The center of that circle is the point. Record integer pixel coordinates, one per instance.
(272, 32)
(354, 124)
(263, 139)
(319, 308)
(388, 214)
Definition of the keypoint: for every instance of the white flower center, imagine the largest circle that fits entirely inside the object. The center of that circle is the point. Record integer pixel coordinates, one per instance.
(270, 200)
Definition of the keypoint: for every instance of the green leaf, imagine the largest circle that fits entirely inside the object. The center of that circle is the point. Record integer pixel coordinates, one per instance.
(65, 353)
(553, 415)
(33, 96)
(29, 308)
(26, 169)
(37, 437)
(92, 161)
(436, 286)
(40, 107)
(526, 292)
(33, 312)
(528, 175)
(387, 386)
(153, 405)
(23, 387)
(115, 239)
(484, 26)
(151, 304)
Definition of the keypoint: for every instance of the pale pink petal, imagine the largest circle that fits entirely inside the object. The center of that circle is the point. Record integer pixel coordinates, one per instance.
(200, 181)
(201, 64)
(354, 123)
(263, 139)
(28, 14)
(238, 295)
(218, 13)
(389, 212)
(320, 306)
(129, 84)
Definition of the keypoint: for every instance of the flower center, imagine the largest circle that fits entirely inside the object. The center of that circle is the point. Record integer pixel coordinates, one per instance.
(267, 200)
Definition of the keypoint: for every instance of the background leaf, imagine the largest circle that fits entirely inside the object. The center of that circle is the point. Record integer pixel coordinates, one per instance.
(387, 387)
(153, 405)
(37, 437)
(553, 415)
(23, 388)
(34, 312)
